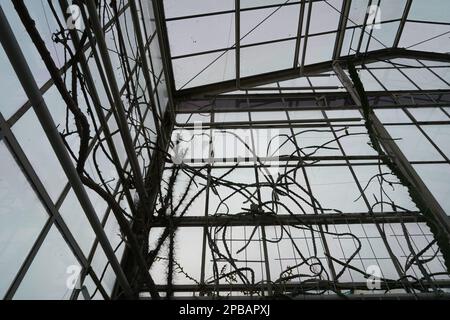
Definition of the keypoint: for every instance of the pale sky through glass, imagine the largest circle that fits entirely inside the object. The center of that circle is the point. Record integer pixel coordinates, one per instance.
(409, 97)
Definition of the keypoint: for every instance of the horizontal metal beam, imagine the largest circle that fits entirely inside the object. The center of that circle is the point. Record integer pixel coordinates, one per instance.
(312, 96)
(273, 220)
(257, 80)
(313, 285)
(266, 123)
(394, 296)
(307, 101)
(283, 158)
(295, 96)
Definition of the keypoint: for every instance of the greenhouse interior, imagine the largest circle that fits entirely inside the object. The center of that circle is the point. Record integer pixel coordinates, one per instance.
(224, 149)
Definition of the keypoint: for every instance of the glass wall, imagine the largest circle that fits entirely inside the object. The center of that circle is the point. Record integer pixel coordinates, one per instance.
(315, 225)
(281, 191)
(275, 188)
(47, 245)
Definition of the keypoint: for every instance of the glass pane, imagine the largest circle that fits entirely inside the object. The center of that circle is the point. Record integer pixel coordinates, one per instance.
(258, 3)
(436, 177)
(444, 73)
(204, 69)
(269, 116)
(392, 79)
(413, 143)
(391, 10)
(425, 79)
(319, 48)
(324, 17)
(34, 143)
(78, 224)
(267, 58)
(22, 217)
(428, 114)
(11, 90)
(46, 25)
(177, 8)
(230, 116)
(392, 116)
(426, 10)
(51, 271)
(425, 37)
(269, 24)
(356, 143)
(357, 12)
(335, 189)
(311, 140)
(383, 37)
(440, 136)
(189, 254)
(379, 193)
(201, 34)
(100, 262)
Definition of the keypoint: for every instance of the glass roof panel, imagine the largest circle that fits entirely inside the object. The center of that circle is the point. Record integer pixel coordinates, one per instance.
(180, 8)
(384, 37)
(208, 68)
(426, 37)
(269, 34)
(259, 3)
(390, 10)
(319, 48)
(201, 34)
(426, 10)
(351, 41)
(357, 13)
(267, 58)
(269, 24)
(330, 10)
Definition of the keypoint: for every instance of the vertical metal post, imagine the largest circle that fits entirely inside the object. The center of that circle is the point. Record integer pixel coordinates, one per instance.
(25, 76)
(299, 33)
(305, 40)
(207, 193)
(263, 230)
(308, 186)
(266, 261)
